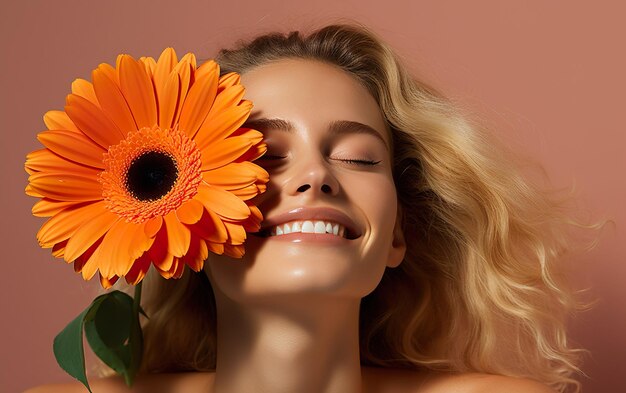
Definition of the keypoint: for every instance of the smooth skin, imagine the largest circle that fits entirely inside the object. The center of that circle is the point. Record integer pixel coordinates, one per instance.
(374, 381)
(288, 310)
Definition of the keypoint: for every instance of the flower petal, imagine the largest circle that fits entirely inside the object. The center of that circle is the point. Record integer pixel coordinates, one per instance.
(153, 226)
(175, 266)
(231, 176)
(108, 282)
(210, 227)
(183, 70)
(168, 101)
(234, 251)
(89, 232)
(138, 90)
(254, 136)
(255, 152)
(199, 101)
(190, 59)
(190, 212)
(84, 88)
(208, 67)
(59, 120)
(178, 235)
(109, 71)
(248, 192)
(140, 242)
(63, 225)
(122, 245)
(149, 64)
(222, 202)
(48, 207)
(139, 270)
(112, 260)
(44, 160)
(229, 97)
(161, 258)
(73, 146)
(180, 268)
(224, 152)
(59, 249)
(31, 192)
(165, 65)
(66, 186)
(87, 263)
(236, 233)
(131, 246)
(253, 223)
(112, 101)
(217, 248)
(228, 80)
(196, 254)
(261, 174)
(90, 267)
(92, 121)
(220, 125)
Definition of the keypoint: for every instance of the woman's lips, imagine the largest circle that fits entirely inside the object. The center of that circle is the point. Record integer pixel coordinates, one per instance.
(310, 224)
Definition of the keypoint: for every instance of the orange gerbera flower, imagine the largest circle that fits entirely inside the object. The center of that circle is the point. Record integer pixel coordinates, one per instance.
(148, 165)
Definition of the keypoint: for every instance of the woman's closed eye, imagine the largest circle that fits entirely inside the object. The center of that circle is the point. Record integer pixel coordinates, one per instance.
(356, 161)
(269, 157)
(272, 161)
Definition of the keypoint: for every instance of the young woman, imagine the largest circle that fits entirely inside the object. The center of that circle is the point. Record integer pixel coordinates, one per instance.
(401, 251)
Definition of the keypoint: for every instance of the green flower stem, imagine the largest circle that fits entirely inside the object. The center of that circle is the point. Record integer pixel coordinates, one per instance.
(137, 298)
(136, 338)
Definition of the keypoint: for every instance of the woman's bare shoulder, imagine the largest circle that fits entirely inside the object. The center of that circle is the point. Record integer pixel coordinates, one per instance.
(148, 383)
(375, 380)
(385, 380)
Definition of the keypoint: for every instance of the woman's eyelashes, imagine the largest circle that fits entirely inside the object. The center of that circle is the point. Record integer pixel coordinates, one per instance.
(270, 157)
(278, 158)
(355, 161)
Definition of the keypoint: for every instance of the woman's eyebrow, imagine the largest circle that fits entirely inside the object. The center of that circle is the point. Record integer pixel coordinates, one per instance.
(263, 124)
(336, 127)
(354, 127)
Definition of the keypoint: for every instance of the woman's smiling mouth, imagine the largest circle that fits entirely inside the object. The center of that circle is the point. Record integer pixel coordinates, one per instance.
(306, 226)
(309, 223)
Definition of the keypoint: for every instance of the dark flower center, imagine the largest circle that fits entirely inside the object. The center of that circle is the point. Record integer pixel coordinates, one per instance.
(151, 175)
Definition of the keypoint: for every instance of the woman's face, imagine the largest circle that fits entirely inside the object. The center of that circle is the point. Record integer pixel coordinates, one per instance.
(329, 164)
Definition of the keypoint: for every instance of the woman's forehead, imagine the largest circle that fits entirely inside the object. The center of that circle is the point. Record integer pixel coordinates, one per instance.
(311, 92)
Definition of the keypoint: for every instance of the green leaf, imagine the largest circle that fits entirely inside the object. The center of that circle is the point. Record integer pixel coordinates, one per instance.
(111, 324)
(109, 329)
(68, 346)
(114, 334)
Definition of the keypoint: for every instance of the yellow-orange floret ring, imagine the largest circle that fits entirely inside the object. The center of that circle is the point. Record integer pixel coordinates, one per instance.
(150, 173)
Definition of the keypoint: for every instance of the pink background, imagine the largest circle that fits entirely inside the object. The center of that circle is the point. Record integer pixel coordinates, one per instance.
(549, 76)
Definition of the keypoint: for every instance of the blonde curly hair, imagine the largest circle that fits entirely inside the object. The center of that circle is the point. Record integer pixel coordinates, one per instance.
(480, 288)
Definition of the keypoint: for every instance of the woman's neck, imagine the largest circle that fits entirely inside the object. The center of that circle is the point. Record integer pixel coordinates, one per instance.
(286, 345)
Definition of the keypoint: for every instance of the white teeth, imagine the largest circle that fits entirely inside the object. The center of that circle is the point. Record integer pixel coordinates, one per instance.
(308, 226)
(320, 227)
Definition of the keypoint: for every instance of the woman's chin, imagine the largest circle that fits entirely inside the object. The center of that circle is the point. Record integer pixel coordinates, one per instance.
(299, 274)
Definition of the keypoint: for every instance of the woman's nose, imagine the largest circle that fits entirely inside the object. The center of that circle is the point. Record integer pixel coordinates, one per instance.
(313, 178)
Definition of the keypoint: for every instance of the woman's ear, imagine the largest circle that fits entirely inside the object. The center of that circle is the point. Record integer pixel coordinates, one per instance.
(398, 244)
